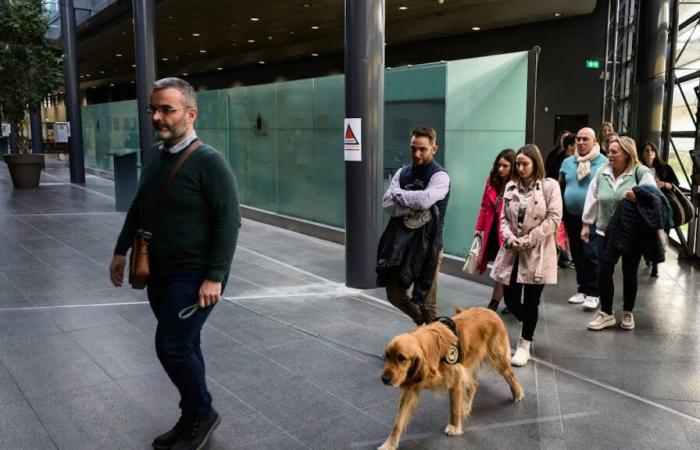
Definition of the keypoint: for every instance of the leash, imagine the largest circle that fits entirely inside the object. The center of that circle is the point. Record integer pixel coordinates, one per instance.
(188, 312)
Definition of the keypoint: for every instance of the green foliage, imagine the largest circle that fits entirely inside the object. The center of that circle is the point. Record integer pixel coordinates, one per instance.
(29, 68)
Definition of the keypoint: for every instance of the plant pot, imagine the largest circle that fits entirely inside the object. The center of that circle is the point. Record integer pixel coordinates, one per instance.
(25, 170)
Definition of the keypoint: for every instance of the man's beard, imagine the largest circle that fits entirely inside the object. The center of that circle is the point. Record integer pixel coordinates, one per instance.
(171, 134)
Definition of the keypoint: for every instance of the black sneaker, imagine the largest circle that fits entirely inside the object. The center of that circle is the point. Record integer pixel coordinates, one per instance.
(654, 271)
(195, 433)
(169, 438)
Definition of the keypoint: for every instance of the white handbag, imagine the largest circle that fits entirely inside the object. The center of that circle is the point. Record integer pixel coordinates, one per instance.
(472, 262)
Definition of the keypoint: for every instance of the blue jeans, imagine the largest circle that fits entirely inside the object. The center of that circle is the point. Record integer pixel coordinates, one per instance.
(585, 255)
(178, 340)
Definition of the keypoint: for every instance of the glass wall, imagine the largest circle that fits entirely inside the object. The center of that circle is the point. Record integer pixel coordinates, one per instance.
(284, 140)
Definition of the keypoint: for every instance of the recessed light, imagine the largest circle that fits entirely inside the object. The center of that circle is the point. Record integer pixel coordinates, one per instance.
(102, 71)
(306, 5)
(133, 65)
(118, 55)
(185, 74)
(165, 59)
(476, 28)
(291, 32)
(195, 34)
(232, 24)
(314, 27)
(202, 51)
(88, 75)
(179, 38)
(314, 54)
(254, 19)
(133, 81)
(170, 17)
(261, 62)
(219, 68)
(111, 84)
(82, 76)
(557, 14)
(269, 38)
(233, 44)
(251, 40)
(403, 8)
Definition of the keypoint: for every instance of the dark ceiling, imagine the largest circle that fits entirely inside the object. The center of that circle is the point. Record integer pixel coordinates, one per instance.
(285, 30)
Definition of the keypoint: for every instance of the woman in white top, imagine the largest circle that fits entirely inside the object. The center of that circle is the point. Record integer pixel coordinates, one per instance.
(612, 184)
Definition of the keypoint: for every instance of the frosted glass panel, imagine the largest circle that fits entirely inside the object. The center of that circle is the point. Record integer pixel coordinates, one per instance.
(485, 113)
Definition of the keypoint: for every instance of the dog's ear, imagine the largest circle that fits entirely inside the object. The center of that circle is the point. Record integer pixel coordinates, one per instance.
(417, 370)
(458, 309)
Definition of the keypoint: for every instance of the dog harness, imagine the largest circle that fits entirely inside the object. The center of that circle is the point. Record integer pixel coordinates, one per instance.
(452, 356)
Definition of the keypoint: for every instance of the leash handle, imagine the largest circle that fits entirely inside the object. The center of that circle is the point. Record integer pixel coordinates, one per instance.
(188, 312)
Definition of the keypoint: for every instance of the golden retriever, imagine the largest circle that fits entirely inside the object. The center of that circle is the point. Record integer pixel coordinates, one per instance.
(416, 361)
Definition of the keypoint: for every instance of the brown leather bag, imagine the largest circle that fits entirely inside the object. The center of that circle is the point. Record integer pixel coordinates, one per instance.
(139, 264)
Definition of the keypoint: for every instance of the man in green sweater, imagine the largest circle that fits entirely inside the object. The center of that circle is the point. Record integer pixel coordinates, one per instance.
(194, 234)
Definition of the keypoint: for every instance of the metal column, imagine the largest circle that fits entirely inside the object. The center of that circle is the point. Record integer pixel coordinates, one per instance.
(145, 51)
(70, 75)
(35, 125)
(364, 99)
(651, 68)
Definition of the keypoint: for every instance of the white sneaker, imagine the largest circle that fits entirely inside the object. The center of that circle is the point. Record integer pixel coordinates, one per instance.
(591, 303)
(602, 320)
(522, 353)
(577, 298)
(627, 320)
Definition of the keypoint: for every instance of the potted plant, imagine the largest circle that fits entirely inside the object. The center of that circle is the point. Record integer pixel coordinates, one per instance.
(29, 71)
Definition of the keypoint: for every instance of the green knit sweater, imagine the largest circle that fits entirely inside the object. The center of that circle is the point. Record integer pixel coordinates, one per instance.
(199, 215)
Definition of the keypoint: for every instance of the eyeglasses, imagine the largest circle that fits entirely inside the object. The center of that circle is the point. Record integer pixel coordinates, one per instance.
(164, 110)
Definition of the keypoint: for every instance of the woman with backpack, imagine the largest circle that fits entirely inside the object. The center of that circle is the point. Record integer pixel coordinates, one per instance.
(612, 184)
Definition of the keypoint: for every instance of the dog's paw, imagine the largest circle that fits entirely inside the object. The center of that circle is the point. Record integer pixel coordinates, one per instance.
(517, 396)
(452, 430)
(387, 446)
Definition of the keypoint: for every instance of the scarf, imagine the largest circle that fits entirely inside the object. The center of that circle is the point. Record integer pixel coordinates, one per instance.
(584, 162)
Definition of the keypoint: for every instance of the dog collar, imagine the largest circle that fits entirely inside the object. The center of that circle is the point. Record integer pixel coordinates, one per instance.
(452, 356)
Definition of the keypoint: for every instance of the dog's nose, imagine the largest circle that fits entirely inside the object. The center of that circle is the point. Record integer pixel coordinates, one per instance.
(385, 379)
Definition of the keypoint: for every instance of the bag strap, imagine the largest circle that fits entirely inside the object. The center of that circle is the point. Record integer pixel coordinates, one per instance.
(161, 194)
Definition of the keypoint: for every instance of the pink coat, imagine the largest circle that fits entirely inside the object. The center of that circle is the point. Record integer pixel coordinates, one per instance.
(489, 214)
(538, 255)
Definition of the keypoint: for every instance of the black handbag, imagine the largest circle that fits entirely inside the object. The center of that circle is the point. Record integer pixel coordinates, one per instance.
(682, 207)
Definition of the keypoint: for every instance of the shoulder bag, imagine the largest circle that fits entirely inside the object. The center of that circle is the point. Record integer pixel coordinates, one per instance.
(139, 264)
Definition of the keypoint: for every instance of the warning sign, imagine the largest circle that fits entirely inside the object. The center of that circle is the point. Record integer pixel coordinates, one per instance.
(353, 139)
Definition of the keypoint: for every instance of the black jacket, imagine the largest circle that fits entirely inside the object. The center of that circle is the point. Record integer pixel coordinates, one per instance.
(635, 223)
(412, 253)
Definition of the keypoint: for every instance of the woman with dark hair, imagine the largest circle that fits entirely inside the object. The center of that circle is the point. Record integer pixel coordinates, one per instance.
(531, 213)
(487, 225)
(665, 179)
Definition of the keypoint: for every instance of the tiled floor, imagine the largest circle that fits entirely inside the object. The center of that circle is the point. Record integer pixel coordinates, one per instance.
(78, 369)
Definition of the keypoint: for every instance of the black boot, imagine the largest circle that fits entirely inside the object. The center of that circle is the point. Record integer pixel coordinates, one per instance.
(169, 438)
(493, 304)
(195, 433)
(654, 271)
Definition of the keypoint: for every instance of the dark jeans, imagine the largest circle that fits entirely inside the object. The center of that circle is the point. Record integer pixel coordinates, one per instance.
(585, 255)
(523, 307)
(178, 340)
(630, 267)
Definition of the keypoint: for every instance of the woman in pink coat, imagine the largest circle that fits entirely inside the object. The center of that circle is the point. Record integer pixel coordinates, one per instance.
(527, 261)
(487, 225)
